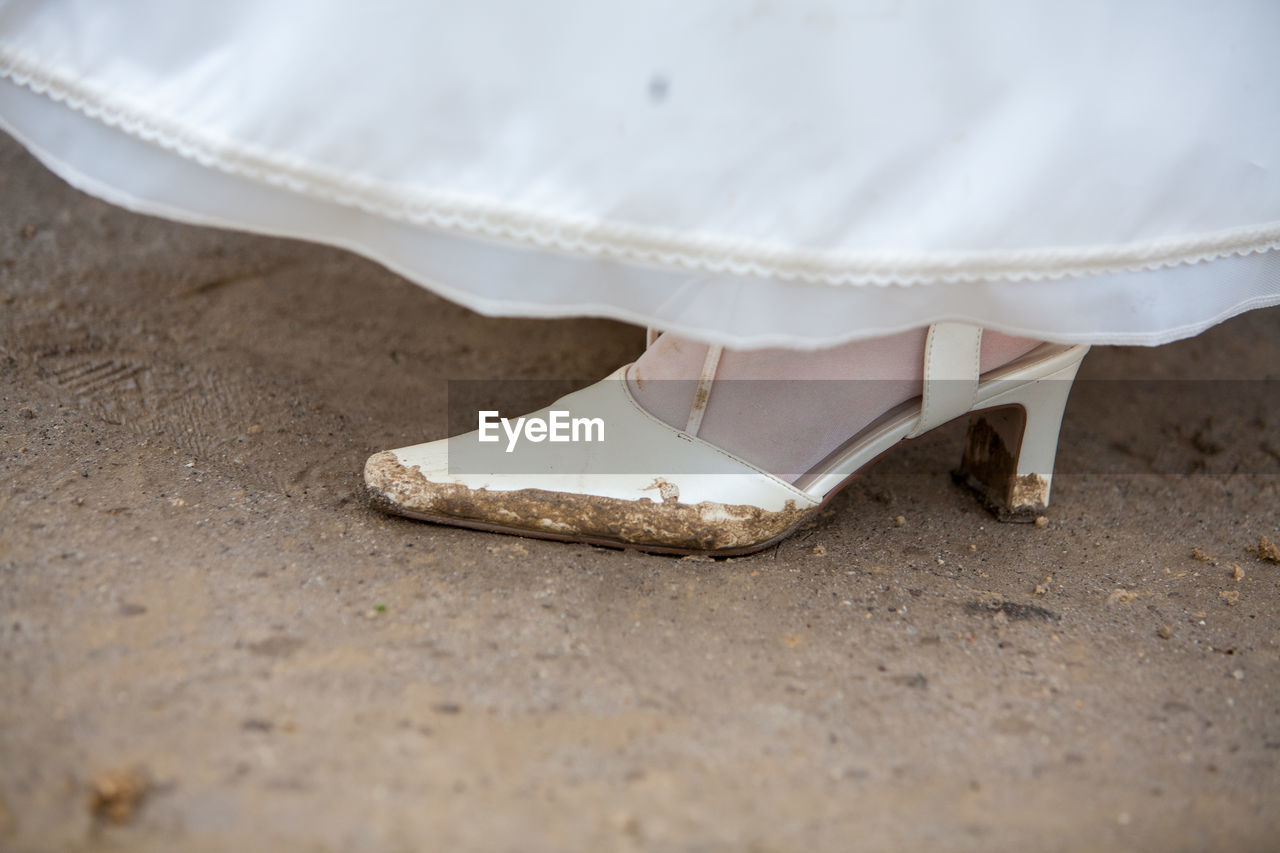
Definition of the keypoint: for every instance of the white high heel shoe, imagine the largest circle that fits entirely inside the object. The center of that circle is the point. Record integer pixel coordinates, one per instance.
(651, 486)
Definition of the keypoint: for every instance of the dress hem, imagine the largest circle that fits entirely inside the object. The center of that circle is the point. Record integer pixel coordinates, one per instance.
(641, 245)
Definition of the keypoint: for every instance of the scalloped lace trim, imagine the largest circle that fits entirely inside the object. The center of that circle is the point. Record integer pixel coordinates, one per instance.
(481, 217)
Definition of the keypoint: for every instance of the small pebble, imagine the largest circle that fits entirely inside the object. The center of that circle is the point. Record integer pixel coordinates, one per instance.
(1266, 550)
(1237, 572)
(1237, 674)
(1164, 632)
(1230, 597)
(819, 551)
(1121, 596)
(114, 796)
(900, 520)
(1041, 521)
(254, 429)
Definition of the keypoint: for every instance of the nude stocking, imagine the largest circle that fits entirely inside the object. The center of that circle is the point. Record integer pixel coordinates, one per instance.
(785, 410)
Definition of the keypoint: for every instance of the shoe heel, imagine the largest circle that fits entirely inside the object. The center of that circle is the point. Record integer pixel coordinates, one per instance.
(1009, 452)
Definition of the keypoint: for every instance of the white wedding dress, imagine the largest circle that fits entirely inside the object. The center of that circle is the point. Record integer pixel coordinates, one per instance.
(794, 173)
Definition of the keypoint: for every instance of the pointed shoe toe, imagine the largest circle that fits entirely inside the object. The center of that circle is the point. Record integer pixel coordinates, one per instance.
(646, 485)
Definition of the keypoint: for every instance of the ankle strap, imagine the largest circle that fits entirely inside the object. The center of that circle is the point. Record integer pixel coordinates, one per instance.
(951, 358)
(702, 396)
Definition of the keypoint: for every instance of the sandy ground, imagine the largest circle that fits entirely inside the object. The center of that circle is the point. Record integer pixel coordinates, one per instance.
(195, 598)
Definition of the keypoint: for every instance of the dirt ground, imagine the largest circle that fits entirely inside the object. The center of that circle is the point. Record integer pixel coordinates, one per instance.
(209, 642)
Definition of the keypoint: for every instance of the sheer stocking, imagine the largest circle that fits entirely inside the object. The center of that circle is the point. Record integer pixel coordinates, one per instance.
(785, 410)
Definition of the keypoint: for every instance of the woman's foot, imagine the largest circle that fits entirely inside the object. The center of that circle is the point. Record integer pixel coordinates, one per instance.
(786, 410)
(696, 466)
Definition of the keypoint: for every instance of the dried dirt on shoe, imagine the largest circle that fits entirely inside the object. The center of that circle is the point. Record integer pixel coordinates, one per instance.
(195, 593)
(705, 527)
